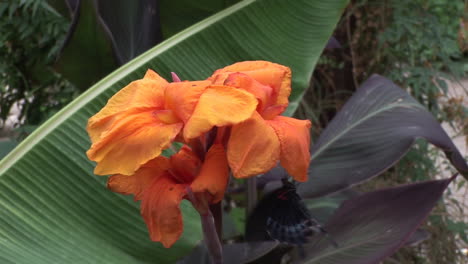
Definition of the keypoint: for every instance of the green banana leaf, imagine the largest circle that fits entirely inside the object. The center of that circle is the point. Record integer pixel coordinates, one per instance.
(54, 210)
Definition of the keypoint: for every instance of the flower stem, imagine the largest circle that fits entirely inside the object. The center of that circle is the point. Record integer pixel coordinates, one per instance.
(251, 194)
(211, 238)
(209, 225)
(217, 212)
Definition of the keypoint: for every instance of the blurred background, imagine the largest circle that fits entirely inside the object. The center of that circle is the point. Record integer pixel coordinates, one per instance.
(52, 51)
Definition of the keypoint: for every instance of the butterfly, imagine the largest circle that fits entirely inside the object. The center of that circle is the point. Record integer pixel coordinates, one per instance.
(282, 215)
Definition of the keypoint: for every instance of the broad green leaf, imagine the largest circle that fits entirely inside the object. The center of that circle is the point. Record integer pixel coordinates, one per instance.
(54, 210)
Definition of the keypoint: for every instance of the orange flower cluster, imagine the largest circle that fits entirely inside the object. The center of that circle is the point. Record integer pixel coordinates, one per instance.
(229, 121)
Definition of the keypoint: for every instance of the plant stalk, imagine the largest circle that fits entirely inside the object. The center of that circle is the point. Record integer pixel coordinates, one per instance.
(217, 212)
(211, 238)
(252, 195)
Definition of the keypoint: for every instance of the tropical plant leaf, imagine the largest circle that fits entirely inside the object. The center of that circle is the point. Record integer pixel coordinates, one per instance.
(322, 208)
(86, 55)
(61, 6)
(374, 225)
(54, 210)
(372, 131)
(132, 26)
(128, 27)
(179, 14)
(236, 253)
(239, 253)
(417, 237)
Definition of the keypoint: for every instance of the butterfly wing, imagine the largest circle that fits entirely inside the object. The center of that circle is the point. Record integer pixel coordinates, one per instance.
(282, 216)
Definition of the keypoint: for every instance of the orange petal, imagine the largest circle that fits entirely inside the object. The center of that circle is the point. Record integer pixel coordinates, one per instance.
(219, 106)
(137, 183)
(160, 208)
(133, 140)
(253, 147)
(185, 165)
(274, 75)
(214, 174)
(261, 92)
(294, 136)
(152, 75)
(182, 97)
(147, 92)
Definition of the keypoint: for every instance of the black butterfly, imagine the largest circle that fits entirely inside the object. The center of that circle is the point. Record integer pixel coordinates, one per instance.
(282, 215)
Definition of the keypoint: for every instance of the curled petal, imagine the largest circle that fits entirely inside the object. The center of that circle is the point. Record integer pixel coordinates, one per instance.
(253, 147)
(273, 111)
(136, 184)
(262, 92)
(144, 93)
(219, 106)
(294, 137)
(185, 165)
(132, 141)
(272, 74)
(160, 208)
(214, 174)
(182, 97)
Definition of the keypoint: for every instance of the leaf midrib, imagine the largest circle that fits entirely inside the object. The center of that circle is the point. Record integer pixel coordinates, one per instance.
(348, 247)
(110, 80)
(364, 119)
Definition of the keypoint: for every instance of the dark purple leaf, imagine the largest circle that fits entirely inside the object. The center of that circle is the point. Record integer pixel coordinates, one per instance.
(72, 5)
(180, 14)
(322, 208)
(104, 34)
(239, 253)
(86, 55)
(372, 131)
(333, 44)
(275, 174)
(236, 253)
(64, 7)
(372, 226)
(417, 237)
(264, 182)
(133, 26)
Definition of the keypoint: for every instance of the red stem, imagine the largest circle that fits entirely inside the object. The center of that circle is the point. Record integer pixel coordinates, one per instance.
(211, 238)
(217, 212)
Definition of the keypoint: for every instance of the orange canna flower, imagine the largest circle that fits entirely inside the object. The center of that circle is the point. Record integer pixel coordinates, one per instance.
(271, 137)
(147, 115)
(162, 183)
(230, 120)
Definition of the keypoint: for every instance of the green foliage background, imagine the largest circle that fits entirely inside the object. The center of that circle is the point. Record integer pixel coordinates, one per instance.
(31, 33)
